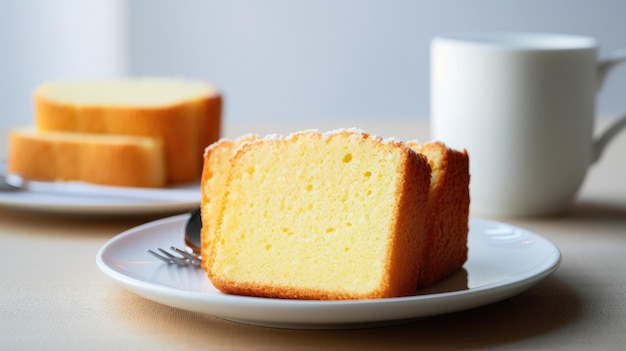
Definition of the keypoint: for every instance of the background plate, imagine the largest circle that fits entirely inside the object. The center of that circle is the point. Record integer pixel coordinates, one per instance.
(80, 198)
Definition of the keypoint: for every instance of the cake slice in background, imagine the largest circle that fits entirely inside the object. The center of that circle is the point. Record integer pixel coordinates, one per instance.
(185, 115)
(119, 160)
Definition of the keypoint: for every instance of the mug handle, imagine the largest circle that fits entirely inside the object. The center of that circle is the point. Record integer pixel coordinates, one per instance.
(604, 67)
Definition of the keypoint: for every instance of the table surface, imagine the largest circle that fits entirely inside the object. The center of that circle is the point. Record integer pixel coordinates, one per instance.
(52, 295)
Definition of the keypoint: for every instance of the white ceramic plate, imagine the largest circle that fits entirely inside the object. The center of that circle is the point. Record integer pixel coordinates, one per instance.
(503, 261)
(81, 198)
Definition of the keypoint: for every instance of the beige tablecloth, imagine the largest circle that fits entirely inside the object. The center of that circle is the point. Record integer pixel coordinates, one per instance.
(53, 297)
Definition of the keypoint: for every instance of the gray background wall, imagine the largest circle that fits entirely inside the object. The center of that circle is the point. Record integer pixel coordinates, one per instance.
(276, 59)
(331, 58)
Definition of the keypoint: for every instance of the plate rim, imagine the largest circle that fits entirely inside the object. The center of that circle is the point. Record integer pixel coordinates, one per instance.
(53, 203)
(174, 297)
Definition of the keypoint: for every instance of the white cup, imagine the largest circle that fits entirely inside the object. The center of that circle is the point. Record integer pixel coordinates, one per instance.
(523, 106)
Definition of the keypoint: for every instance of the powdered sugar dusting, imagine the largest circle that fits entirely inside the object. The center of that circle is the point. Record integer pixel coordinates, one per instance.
(274, 136)
(214, 145)
(392, 141)
(352, 130)
(247, 136)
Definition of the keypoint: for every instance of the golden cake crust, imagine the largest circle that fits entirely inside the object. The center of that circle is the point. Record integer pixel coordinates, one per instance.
(214, 178)
(448, 218)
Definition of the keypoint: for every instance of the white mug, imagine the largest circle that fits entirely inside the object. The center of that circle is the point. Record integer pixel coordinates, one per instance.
(523, 106)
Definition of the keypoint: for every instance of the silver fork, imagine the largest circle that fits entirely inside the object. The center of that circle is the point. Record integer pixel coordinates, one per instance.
(185, 258)
(12, 183)
(191, 256)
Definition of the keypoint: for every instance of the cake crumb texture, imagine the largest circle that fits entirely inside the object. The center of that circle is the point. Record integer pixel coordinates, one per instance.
(338, 215)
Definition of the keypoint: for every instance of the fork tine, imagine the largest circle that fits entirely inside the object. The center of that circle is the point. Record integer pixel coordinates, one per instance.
(167, 257)
(187, 259)
(162, 258)
(179, 261)
(193, 259)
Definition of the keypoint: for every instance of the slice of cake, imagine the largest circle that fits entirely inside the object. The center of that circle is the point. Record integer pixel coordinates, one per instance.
(184, 114)
(449, 200)
(102, 159)
(340, 215)
(214, 178)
